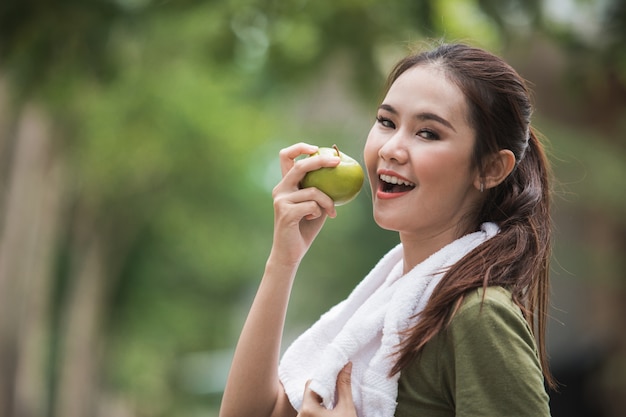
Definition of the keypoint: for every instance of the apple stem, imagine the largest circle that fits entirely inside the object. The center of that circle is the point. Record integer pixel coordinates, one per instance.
(336, 149)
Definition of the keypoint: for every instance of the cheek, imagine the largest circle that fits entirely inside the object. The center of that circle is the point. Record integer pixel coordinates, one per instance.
(445, 167)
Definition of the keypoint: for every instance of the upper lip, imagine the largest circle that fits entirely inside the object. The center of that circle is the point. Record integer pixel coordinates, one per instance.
(393, 177)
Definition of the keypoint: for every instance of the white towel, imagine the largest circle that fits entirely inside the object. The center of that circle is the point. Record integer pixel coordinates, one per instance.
(364, 329)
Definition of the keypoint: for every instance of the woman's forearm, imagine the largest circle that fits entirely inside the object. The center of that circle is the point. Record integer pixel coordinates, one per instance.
(253, 387)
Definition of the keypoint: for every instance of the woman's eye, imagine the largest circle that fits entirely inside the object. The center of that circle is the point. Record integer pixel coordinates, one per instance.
(385, 122)
(428, 134)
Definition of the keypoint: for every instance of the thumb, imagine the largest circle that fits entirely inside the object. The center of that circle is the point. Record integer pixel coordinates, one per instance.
(344, 386)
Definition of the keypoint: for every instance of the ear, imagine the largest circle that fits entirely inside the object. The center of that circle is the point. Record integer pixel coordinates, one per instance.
(497, 167)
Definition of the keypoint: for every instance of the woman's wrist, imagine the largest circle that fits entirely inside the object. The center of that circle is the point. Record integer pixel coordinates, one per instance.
(278, 266)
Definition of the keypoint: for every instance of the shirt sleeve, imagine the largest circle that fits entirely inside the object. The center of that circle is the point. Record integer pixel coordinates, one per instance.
(492, 365)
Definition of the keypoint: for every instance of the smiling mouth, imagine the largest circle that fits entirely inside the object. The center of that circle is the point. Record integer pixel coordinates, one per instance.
(391, 184)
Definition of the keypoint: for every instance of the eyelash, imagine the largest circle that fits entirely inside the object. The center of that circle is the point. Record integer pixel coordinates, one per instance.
(385, 122)
(389, 124)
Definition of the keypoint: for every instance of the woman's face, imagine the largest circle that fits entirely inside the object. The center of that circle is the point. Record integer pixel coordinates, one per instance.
(418, 157)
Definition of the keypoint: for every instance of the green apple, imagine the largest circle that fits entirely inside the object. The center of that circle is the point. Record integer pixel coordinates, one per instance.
(341, 183)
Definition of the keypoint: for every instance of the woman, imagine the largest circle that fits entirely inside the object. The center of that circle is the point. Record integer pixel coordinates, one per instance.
(451, 322)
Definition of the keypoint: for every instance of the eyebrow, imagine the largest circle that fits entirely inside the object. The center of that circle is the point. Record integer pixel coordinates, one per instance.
(421, 116)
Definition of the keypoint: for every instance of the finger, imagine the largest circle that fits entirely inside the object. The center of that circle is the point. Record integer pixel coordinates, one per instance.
(288, 155)
(317, 213)
(324, 205)
(311, 401)
(344, 386)
(316, 200)
(295, 170)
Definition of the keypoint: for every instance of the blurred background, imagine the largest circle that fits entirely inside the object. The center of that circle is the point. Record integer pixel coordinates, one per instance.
(138, 150)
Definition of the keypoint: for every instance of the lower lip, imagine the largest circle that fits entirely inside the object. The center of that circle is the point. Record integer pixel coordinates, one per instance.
(388, 196)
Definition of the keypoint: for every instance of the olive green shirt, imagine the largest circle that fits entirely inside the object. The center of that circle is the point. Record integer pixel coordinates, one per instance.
(484, 364)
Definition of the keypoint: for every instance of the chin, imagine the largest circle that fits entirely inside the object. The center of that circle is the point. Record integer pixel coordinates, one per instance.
(386, 223)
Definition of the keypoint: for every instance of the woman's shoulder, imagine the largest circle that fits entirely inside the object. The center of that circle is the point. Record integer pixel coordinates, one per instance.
(495, 299)
(491, 313)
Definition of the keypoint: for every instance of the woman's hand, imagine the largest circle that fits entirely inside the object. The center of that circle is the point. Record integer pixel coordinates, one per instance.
(299, 214)
(312, 407)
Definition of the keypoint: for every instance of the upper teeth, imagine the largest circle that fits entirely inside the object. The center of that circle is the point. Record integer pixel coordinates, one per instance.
(395, 180)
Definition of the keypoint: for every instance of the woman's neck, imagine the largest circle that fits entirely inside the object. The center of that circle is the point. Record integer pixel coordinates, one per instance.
(418, 247)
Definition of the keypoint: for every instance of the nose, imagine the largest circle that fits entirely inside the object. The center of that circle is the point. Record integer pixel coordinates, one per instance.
(394, 149)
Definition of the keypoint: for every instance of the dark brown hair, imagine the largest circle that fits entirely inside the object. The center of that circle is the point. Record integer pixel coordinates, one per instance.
(518, 257)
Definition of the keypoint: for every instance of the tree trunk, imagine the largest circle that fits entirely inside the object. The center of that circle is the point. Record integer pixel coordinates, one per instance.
(32, 202)
(82, 330)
